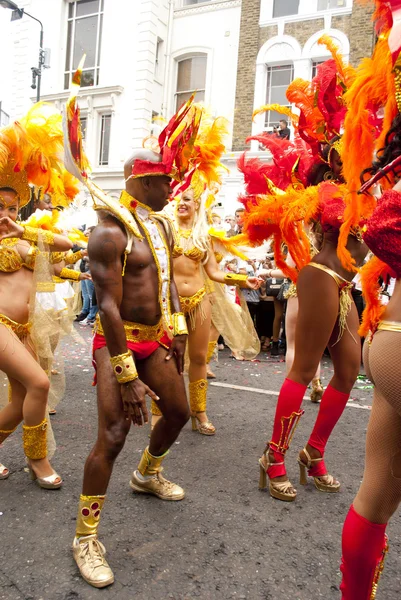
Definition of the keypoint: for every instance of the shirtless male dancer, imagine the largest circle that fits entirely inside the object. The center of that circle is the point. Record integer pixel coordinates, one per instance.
(138, 303)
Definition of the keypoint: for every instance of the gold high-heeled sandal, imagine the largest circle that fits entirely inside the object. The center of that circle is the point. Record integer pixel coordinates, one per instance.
(4, 472)
(46, 483)
(281, 490)
(206, 428)
(317, 391)
(324, 483)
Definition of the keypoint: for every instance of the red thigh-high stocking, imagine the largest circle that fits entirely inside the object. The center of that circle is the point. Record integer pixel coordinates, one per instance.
(364, 545)
(288, 413)
(331, 408)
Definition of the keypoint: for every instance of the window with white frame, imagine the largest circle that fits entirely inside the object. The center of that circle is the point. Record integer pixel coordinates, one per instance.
(278, 79)
(328, 4)
(285, 8)
(84, 123)
(84, 36)
(191, 77)
(315, 64)
(105, 130)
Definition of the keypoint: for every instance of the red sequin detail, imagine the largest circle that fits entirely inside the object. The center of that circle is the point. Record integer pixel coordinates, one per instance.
(119, 369)
(135, 332)
(97, 513)
(95, 506)
(134, 204)
(86, 512)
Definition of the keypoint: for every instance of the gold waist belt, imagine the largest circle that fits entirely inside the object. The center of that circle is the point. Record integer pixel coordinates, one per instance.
(189, 303)
(389, 326)
(137, 332)
(45, 286)
(20, 330)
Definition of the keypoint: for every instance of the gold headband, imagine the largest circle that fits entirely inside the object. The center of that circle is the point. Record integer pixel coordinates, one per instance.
(17, 181)
(338, 146)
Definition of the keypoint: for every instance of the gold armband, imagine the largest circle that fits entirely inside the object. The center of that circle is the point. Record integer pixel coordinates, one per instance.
(31, 234)
(179, 324)
(124, 367)
(69, 274)
(236, 279)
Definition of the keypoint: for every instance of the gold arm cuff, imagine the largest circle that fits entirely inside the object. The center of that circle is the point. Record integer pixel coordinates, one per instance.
(31, 234)
(236, 279)
(71, 259)
(179, 324)
(124, 367)
(69, 274)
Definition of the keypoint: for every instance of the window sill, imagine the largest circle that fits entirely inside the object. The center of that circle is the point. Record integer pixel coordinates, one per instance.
(321, 14)
(205, 7)
(86, 91)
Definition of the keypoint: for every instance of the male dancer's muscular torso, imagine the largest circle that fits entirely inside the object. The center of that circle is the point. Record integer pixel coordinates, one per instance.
(140, 284)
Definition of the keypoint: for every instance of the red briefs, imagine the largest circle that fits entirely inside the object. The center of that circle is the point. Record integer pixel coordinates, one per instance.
(140, 350)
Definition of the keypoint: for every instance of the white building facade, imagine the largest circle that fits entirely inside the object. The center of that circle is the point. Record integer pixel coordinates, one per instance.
(145, 57)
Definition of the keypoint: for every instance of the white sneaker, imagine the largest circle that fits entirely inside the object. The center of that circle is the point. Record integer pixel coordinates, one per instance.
(89, 555)
(84, 322)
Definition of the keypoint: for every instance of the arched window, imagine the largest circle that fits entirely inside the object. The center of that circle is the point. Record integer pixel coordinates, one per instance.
(191, 77)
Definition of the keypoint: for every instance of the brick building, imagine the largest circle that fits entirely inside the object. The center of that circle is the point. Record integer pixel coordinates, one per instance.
(278, 42)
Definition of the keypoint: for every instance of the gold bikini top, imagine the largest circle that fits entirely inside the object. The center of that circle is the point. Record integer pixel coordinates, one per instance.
(193, 253)
(10, 258)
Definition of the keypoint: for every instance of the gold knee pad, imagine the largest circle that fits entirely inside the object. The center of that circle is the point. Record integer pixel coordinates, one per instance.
(210, 351)
(149, 464)
(88, 518)
(155, 410)
(35, 438)
(198, 395)
(4, 433)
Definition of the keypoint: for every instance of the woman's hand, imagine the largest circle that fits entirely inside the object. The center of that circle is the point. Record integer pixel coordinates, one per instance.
(254, 283)
(10, 229)
(84, 276)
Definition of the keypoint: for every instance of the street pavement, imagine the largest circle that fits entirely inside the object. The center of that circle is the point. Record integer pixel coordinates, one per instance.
(226, 540)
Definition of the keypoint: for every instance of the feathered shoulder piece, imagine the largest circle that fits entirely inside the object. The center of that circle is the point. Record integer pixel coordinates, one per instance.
(224, 245)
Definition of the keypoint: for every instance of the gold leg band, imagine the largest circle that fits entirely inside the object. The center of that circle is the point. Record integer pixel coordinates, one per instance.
(88, 518)
(34, 439)
(210, 351)
(155, 410)
(288, 427)
(198, 395)
(149, 464)
(4, 433)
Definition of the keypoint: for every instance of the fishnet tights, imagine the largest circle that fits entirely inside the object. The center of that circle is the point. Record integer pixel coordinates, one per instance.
(380, 492)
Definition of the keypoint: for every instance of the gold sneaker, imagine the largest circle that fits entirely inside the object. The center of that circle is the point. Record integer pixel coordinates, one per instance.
(89, 556)
(158, 486)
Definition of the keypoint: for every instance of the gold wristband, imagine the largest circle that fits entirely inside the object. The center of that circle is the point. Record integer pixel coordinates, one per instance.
(179, 324)
(71, 259)
(124, 367)
(236, 279)
(31, 234)
(69, 274)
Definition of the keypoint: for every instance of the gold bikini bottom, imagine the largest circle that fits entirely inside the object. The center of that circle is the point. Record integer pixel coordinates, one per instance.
(136, 332)
(389, 326)
(291, 292)
(20, 330)
(344, 287)
(191, 305)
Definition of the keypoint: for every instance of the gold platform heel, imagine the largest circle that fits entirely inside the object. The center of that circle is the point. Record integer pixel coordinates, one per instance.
(317, 390)
(323, 483)
(281, 490)
(206, 428)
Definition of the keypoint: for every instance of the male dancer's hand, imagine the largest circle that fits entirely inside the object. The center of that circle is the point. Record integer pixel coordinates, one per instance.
(177, 349)
(133, 395)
